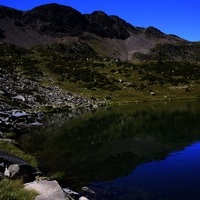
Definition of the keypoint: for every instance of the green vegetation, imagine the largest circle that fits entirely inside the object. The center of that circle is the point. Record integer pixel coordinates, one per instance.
(78, 69)
(12, 147)
(13, 190)
(186, 52)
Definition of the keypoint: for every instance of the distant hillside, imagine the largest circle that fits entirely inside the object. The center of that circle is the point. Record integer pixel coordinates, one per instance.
(108, 36)
(53, 55)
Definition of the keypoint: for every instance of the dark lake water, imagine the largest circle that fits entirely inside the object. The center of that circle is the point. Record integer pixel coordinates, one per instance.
(132, 152)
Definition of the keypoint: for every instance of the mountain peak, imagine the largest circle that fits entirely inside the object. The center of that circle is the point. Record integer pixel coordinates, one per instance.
(109, 35)
(60, 20)
(153, 32)
(54, 19)
(51, 7)
(9, 12)
(100, 13)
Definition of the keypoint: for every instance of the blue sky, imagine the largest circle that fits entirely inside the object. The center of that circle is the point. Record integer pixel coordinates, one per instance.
(179, 17)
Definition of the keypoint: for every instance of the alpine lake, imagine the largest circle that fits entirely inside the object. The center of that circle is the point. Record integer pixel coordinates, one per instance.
(144, 151)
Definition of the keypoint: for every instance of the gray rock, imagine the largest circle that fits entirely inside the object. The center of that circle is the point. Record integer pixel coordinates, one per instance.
(2, 92)
(19, 97)
(50, 190)
(1, 134)
(2, 164)
(18, 113)
(70, 192)
(83, 198)
(87, 189)
(13, 169)
(152, 93)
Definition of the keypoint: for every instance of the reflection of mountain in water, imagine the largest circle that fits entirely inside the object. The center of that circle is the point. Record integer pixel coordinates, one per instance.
(110, 143)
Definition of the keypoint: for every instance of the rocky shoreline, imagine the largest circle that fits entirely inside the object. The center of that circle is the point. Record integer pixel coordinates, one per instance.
(24, 100)
(23, 105)
(13, 123)
(35, 94)
(13, 167)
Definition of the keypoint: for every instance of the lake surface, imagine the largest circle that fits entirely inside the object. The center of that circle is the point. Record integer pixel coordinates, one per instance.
(135, 152)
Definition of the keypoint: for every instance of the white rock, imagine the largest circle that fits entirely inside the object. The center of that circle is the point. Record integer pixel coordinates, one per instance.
(83, 198)
(48, 190)
(6, 172)
(18, 113)
(19, 97)
(152, 93)
(69, 191)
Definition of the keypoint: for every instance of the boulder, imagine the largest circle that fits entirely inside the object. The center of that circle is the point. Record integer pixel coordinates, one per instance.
(50, 190)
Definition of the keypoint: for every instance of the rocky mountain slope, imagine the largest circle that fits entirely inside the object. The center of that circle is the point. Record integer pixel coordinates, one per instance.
(52, 49)
(52, 23)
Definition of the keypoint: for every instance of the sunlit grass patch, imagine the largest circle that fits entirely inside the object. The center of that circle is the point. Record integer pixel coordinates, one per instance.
(14, 190)
(11, 147)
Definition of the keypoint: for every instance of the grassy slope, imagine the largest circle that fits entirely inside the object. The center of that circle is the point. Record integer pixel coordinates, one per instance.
(14, 189)
(77, 68)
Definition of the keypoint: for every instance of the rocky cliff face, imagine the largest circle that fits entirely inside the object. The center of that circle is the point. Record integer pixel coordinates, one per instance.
(106, 26)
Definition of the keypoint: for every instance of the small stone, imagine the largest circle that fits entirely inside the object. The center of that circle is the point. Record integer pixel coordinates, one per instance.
(87, 189)
(18, 113)
(19, 97)
(83, 198)
(2, 92)
(70, 192)
(152, 93)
